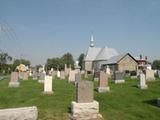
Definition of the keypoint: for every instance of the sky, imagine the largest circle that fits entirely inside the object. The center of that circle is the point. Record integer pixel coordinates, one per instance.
(41, 29)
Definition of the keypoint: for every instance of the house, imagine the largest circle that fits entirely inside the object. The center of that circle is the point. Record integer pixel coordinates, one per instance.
(123, 62)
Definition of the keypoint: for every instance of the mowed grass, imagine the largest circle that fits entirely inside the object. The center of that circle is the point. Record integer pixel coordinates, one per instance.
(123, 102)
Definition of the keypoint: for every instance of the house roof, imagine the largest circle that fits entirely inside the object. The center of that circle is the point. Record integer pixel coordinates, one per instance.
(106, 53)
(116, 59)
(92, 53)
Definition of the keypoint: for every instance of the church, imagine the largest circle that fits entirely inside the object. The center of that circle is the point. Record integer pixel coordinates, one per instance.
(96, 56)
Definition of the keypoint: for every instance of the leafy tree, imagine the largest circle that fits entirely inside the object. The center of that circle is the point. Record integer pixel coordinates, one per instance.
(20, 61)
(68, 59)
(156, 64)
(58, 63)
(4, 59)
(81, 60)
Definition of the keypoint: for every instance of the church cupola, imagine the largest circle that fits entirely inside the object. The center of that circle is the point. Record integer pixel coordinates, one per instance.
(92, 41)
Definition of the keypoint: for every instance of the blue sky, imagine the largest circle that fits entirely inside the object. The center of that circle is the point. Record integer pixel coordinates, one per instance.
(41, 29)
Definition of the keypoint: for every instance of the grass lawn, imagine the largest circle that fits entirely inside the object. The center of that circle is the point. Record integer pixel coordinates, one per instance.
(123, 102)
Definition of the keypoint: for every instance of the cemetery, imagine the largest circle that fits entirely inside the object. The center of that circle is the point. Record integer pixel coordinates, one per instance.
(49, 70)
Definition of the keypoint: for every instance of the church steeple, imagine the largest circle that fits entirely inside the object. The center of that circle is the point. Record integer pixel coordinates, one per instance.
(92, 41)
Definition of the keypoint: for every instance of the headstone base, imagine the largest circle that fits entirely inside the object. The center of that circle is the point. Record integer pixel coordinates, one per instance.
(14, 84)
(143, 87)
(47, 92)
(41, 81)
(103, 89)
(158, 102)
(119, 81)
(85, 111)
(150, 79)
(26, 113)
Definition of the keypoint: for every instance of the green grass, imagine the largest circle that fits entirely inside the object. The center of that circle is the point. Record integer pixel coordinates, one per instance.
(123, 102)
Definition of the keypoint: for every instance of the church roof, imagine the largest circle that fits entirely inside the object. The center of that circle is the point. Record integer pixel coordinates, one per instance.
(92, 53)
(106, 53)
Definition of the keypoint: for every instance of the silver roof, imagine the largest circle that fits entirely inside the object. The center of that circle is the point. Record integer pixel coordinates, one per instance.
(106, 53)
(92, 53)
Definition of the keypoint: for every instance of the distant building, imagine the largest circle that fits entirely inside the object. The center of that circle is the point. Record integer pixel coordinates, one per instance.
(124, 62)
(96, 57)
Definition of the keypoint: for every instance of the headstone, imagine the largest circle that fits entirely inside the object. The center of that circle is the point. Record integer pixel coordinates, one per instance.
(48, 85)
(119, 77)
(72, 75)
(25, 76)
(21, 75)
(150, 75)
(142, 84)
(133, 74)
(14, 80)
(103, 82)
(25, 113)
(58, 74)
(35, 75)
(85, 92)
(41, 77)
(158, 72)
(108, 71)
(96, 75)
(77, 78)
(1, 77)
(62, 75)
(158, 102)
(85, 108)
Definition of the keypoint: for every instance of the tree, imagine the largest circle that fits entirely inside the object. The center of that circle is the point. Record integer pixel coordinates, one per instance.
(58, 63)
(17, 62)
(156, 64)
(81, 60)
(68, 59)
(4, 59)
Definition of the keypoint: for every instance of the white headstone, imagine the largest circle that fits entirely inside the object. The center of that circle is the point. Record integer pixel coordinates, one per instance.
(142, 84)
(48, 84)
(58, 74)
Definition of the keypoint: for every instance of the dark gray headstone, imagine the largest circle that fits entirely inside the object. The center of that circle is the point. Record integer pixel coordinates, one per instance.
(42, 76)
(85, 92)
(35, 75)
(77, 78)
(158, 72)
(119, 75)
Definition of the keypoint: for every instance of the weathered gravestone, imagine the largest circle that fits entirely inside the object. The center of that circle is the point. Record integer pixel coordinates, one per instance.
(142, 84)
(25, 76)
(119, 77)
(62, 75)
(25, 113)
(158, 72)
(48, 85)
(35, 75)
(58, 74)
(150, 75)
(14, 80)
(72, 76)
(103, 82)
(85, 108)
(77, 78)
(158, 102)
(21, 74)
(41, 77)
